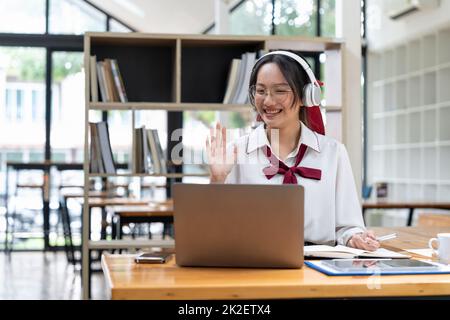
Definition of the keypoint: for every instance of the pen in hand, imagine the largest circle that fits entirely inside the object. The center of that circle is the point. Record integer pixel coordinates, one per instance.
(387, 237)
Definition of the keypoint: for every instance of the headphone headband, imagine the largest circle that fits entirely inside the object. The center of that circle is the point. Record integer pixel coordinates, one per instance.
(311, 92)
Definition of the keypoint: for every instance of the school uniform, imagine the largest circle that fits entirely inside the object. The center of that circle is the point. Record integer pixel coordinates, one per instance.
(332, 209)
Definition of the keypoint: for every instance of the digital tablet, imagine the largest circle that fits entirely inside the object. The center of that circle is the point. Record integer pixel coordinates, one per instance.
(356, 267)
(393, 265)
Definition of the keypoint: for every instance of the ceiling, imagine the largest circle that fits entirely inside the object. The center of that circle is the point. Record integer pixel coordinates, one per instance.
(163, 16)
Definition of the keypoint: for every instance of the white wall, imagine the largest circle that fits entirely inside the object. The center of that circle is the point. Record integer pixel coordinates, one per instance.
(383, 32)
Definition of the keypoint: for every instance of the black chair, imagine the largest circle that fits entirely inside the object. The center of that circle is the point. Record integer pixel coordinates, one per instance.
(13, 217)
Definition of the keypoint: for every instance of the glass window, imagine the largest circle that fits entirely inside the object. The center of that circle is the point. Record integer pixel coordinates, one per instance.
(19, 105)
(74, 17)
(10, 105)
(328, 18)
(253, 17)
(22, 70)
(296, 17)
(116, 26)
(14, 156)
(37, 104)
(22, 16)
(67, 106)
(36, 156)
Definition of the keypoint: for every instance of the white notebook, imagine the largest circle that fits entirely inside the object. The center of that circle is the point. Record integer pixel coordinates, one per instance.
(337, 252)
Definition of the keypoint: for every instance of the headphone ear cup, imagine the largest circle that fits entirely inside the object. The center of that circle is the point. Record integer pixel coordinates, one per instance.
(311, 95)
(315, 95)
(307, 95)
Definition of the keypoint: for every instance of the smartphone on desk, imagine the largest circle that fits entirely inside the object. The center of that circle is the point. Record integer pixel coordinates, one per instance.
(153, 257)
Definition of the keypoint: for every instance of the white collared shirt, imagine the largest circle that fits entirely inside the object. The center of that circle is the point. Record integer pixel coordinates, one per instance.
(332, 209)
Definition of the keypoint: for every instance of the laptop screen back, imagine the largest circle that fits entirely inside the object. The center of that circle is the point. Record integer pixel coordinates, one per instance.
(228, 225)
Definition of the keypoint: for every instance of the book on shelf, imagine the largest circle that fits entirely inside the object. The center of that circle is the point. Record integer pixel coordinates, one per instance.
(159, 151)
(106, 76)
(148, 156)
(101, 157)
(110, 85)
(242, 94)
(93, 78)
(142, 154)
(102, 81)
(231, 81)
(239, 78)
(148, 159)
(137, 151)
(118, 81)
(153, 151)
(94, 153)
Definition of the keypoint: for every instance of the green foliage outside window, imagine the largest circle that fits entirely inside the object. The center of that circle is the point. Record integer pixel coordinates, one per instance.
(328, 18)
(253, 17)
(296, 17)
(27, 64)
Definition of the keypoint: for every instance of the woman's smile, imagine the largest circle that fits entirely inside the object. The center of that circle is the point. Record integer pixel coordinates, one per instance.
(272, 112)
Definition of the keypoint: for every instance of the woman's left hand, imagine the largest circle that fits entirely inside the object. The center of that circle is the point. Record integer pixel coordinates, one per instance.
(365, 240)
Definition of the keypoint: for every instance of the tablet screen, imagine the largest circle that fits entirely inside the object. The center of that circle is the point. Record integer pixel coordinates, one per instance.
(380, 264)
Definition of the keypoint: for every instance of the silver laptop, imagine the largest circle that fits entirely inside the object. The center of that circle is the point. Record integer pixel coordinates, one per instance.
(224, 225)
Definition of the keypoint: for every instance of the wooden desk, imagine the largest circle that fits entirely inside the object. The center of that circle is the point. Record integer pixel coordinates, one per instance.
(99, 202)
(127, 280)
(405, 205)
(123, 215)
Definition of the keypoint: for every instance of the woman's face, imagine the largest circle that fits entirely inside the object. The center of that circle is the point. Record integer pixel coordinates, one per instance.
(274, 97)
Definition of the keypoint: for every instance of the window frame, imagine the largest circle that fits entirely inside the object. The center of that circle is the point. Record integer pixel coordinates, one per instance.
(53, 43)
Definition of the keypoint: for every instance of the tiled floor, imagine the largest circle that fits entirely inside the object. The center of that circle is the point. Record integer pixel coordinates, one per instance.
(43, 276)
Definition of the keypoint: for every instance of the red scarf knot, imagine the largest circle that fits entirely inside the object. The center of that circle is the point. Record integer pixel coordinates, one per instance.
(279, 167)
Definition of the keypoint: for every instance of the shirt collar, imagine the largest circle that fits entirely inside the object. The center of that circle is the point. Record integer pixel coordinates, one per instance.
(258, 138)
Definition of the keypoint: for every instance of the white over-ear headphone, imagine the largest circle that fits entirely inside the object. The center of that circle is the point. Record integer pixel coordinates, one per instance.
(311, 91)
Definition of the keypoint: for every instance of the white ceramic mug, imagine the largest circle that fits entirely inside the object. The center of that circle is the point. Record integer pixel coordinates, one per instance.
(443, 246)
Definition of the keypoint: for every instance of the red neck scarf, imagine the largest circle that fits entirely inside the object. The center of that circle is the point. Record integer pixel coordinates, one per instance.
(279, 167)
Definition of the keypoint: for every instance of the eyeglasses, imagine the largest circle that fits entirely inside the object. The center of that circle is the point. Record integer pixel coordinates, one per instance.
(279, 93)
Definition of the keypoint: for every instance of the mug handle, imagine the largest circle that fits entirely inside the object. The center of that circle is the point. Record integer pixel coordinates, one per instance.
(430, 244)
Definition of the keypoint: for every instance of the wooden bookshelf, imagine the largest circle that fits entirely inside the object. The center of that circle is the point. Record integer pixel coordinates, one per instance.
(189, 72)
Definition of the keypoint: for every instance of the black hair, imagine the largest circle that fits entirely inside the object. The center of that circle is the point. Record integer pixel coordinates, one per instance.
(292, 71)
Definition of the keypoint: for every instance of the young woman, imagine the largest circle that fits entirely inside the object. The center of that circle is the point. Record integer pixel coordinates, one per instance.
(288, 147)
